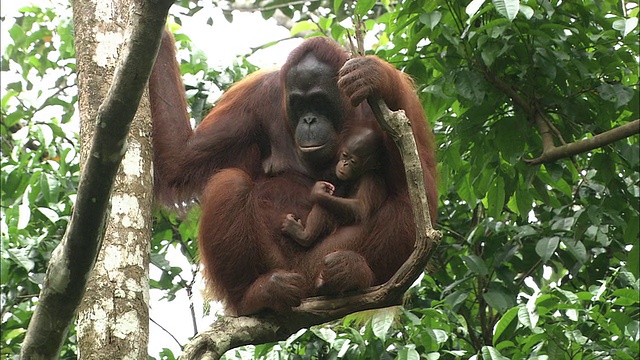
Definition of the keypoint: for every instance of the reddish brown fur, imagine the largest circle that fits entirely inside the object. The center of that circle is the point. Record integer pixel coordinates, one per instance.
(242, 164)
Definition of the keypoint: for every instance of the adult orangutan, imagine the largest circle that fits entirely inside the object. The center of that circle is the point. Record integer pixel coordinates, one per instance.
(254, 159)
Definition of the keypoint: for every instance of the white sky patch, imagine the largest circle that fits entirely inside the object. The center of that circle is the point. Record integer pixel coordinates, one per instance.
(247, 31)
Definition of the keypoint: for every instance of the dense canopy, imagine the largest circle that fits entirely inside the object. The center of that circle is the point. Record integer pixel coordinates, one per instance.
(539, 212)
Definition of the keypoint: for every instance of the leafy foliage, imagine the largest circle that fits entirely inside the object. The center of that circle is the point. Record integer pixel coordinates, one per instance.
(40, 165)
(537, 261)
(562, 229)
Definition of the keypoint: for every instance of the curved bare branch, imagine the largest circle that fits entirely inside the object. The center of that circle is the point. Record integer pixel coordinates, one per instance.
(555, 153)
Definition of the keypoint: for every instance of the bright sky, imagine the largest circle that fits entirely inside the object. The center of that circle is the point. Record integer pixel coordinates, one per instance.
(247, 31)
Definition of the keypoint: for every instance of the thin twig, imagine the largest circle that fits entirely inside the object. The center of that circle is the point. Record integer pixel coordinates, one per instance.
(166, 331)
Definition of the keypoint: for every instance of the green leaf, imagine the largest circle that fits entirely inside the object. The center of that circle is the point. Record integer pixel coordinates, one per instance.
(631, 296)
(21, 257)
(228, 15)
(496, 197)
(159, 260)
(407, 353)
(507, 321)
(622, 356)
(363, 6)
(432, 356)
(14, 118)
(14, 333)
(303, 26)
(489, 53)
(465, 191)
(473, 7)
(527, 11)
(633, 330)
(546, 247)
(413, 319)
(343, 348)
(431, 19)
(528, 318)
(498, 300)
(507, 8)
(471, 86)
(625, 26)
(8, 96)
(598, 290)
(337, 5)
(295, 336)
(554, 170)
(476, 265)
(617, 93)
(325, 23)
(577, 249)
(456, 298)
(17, 34)
(576, 336)
(491, 353)
(509, 136)
(524, 202)
(49, 214)
(440, 336)
(44, 188)
(324, 333)
(381, 322)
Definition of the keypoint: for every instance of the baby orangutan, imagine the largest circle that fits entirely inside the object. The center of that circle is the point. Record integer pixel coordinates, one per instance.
(359, 158)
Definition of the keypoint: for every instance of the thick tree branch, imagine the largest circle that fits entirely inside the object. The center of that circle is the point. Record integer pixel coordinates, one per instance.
(578, 147)
(544, 130)
(229, 332)
(73, 259)
(551, 152)
(535, 116)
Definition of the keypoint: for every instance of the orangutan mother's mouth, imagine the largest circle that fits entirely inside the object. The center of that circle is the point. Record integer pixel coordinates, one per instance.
(307, 149)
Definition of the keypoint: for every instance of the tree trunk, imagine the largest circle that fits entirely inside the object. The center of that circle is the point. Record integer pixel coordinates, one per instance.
(113, 319)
